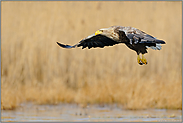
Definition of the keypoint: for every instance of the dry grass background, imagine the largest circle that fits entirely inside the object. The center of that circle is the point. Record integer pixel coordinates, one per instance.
(35, 68)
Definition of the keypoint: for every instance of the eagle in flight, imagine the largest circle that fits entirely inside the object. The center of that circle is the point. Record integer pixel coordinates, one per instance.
(134, 38)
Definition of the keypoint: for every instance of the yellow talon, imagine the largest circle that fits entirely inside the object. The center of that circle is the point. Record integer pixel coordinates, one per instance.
(143, 59)
(139, 60)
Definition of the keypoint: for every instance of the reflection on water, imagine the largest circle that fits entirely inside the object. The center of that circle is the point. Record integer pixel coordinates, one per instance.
(72, 112)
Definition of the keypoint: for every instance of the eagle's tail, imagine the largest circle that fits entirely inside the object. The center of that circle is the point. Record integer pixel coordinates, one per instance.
(155, 45)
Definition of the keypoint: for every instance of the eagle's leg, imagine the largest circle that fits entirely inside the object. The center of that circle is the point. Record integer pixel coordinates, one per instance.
(139, 60)
(143, 59)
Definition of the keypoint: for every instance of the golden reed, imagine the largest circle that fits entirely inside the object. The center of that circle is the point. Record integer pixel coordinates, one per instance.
(36, 69)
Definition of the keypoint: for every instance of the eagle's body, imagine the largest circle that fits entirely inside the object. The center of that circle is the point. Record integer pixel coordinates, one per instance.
(134, 38)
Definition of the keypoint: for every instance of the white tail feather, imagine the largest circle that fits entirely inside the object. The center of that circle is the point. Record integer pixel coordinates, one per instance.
(157, 47)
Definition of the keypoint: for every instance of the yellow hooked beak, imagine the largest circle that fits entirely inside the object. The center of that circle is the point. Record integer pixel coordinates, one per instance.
(98, 32)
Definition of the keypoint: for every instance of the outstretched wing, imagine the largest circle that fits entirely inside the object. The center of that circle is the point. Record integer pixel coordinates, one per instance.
(92, 41)
(138, 37)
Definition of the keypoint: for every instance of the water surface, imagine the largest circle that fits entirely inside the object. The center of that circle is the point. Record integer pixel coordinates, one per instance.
(73, 112)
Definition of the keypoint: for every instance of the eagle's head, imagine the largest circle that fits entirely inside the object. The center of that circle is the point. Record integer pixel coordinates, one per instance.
(108, 32)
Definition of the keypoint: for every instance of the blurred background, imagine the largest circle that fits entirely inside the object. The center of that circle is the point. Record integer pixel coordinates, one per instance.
(35, 69)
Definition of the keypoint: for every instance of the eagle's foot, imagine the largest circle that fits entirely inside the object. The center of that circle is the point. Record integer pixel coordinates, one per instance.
(139, 60)
(143, 59)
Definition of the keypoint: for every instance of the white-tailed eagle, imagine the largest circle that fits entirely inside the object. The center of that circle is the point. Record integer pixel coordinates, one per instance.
(134, 38)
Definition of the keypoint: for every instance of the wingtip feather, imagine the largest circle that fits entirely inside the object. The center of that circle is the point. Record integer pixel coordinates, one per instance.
(160, 42)
(64, 46)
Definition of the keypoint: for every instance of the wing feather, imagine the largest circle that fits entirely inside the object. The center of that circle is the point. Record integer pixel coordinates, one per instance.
(136, 36)
(92, 41)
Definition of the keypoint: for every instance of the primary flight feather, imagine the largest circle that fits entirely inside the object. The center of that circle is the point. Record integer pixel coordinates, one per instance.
(134, 38)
